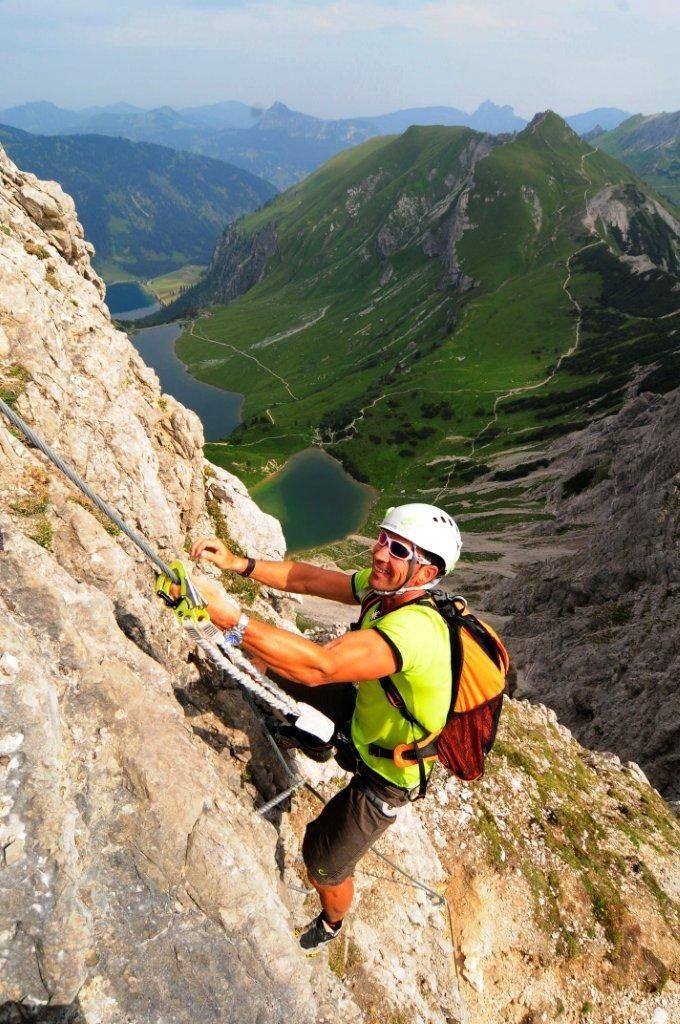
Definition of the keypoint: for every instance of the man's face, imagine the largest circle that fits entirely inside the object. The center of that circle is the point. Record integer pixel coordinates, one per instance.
(389, 572)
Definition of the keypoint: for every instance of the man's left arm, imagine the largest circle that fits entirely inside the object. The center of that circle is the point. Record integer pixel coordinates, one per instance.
(359, 655)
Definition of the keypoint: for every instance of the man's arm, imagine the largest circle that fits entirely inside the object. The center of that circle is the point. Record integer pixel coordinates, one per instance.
(360, 655)
(295, 577)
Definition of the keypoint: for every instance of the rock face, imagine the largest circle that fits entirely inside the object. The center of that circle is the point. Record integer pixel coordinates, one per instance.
(137, 881)
(596, 634)
(111, 809)
(238, 263)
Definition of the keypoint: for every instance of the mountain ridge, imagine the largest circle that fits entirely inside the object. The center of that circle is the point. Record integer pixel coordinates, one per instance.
(269, 143)
(436, 264)
(147, 209)
(651, 146)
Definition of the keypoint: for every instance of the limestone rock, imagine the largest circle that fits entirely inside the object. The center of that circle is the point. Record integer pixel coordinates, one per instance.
(610, 607)
(261, 537)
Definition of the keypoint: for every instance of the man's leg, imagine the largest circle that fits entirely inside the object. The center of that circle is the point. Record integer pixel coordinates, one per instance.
(335, 899)
(334, 842)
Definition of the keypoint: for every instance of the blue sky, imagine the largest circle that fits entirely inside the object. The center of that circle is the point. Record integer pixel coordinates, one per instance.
(336, 58)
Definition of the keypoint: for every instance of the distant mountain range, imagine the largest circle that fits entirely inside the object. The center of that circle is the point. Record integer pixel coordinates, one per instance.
(651, 146)
(147, 209)
(429, 305)
(278, 144)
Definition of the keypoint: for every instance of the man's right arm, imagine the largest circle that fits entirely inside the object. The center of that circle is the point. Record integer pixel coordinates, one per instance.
(295, 577)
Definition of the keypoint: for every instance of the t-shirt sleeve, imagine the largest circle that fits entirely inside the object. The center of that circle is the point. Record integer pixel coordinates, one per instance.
(360, 586)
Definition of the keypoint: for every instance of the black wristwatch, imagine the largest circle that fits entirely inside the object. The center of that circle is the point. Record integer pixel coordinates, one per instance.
(249, 568)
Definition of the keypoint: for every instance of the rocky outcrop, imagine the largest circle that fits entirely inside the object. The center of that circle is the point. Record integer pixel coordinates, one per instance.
(137, 881)
(441, 240)
(595, 635)
(239, 261)
(111, 808)
(627, 213)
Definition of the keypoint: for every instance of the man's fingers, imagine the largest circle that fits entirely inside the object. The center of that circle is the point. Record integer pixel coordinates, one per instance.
(206, 547)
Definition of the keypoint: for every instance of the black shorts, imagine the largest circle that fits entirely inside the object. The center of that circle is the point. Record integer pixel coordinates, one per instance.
(357, 816)
(348, 826)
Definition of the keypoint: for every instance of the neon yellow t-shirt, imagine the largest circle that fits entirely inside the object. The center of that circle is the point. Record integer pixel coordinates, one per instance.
(420, 639)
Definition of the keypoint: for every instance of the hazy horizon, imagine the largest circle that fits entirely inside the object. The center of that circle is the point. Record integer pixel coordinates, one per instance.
(343, 58)
(258, 110)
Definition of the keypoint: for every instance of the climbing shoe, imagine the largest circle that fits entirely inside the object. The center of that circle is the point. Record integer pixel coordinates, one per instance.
(318, 932)
(288, 737)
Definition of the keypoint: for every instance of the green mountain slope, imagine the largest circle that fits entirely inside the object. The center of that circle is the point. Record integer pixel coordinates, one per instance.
(651, 146)
(147, 209)
(425, 304)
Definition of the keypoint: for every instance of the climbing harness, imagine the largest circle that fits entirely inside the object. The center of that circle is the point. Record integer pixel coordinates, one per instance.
(189, 608)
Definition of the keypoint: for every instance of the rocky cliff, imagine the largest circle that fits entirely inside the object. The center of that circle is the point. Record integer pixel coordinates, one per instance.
(137, 882)
(595, 634)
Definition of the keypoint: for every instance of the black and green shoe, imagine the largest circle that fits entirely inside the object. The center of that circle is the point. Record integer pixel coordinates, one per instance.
(317, 933)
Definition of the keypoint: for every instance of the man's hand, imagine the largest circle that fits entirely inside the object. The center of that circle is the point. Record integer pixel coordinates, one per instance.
(216, 551)
(222, 609)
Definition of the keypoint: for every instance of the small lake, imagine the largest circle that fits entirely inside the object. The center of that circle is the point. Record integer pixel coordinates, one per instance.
(218, 410)
(127, 300)
(315, 499)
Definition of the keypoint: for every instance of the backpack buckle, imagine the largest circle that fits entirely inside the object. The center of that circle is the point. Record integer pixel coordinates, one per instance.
(402, 750)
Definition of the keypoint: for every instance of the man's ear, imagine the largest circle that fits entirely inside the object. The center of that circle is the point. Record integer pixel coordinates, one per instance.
(427, 573)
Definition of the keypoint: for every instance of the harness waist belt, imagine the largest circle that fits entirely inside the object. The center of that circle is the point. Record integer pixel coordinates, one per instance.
(408, 753)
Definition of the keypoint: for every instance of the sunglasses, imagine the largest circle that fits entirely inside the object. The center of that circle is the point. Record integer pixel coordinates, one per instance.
(398, 549)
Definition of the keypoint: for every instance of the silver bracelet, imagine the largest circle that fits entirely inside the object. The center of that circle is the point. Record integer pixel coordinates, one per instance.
(235, 635)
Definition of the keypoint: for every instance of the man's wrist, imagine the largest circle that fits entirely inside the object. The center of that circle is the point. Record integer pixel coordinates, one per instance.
(247, 564)
(234, 636)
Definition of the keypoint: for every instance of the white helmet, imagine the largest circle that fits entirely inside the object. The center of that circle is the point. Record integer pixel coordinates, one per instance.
(429, 527)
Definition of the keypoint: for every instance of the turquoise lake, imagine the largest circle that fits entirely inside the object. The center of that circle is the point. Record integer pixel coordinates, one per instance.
(129, 298)
(315, 499)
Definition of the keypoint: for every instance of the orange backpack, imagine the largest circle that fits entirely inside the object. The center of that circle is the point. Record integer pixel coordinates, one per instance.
(479, 666)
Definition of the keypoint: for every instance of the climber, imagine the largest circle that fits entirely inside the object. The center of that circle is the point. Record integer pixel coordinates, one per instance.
(416, 546)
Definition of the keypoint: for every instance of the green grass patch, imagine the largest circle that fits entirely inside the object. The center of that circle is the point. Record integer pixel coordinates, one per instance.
(13, 381)
(33, 249)
(43, 533)
(167, 287)
(30, 506)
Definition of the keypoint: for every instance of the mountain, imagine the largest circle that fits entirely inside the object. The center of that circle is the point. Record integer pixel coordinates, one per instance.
(651, 146)
(147, 209)
(217, 116)
(138, 882)
(163, 126)
(490, 118)
(41, 117)
(487, 118)
(112, 108)
(278, 144)
(285, 146)
(604, 118)
(399, 120)
(425, 305)
(611, 489)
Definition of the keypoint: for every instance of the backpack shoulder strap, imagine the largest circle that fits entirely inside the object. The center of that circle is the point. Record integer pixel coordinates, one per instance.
(371, 600)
